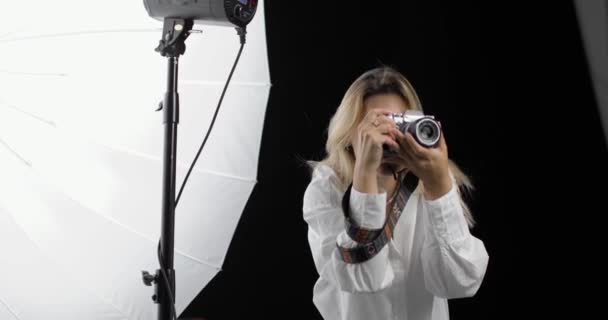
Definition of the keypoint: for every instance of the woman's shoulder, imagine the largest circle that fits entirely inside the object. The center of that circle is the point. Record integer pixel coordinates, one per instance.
(321, 170)
(324, 186)
(325, 174)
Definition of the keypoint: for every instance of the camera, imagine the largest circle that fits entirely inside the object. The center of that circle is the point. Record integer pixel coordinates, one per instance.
(424, 128)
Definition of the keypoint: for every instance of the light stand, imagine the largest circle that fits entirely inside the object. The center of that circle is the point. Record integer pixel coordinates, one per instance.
(178, 18)
(172, 45)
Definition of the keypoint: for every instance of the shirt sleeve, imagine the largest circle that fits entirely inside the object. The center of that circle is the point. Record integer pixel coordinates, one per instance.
(454, 261)
(326, 229)
(368, 209)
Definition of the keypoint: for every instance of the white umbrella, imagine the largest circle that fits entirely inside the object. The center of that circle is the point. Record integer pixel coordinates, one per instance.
(81, 156)
(593, 25)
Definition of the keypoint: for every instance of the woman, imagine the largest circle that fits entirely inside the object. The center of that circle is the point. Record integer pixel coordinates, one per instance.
(389, 233)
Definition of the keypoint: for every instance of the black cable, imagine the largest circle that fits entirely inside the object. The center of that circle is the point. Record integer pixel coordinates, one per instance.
(241, 32)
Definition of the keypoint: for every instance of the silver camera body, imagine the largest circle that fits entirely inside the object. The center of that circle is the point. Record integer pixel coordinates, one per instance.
(424, 128)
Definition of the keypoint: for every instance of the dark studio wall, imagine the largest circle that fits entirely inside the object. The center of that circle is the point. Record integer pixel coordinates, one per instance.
(510, 84)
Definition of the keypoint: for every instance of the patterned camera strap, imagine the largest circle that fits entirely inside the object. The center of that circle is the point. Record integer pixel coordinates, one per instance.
(371, 241)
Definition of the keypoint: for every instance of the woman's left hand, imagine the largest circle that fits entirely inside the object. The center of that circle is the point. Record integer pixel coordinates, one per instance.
(429, 164)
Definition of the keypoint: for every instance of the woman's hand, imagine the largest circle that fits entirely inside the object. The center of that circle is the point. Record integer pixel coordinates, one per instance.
(429, 164)
(374, 131)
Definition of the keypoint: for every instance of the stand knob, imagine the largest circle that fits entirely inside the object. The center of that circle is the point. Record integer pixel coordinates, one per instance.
(148, 278)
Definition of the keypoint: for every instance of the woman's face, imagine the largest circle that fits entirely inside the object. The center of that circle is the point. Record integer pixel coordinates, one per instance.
(390, 103)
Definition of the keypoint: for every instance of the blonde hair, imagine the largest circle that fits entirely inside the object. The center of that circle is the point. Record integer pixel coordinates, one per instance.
(343, 125)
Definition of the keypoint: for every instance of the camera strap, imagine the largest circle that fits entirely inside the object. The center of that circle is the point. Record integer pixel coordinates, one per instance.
(371, 241)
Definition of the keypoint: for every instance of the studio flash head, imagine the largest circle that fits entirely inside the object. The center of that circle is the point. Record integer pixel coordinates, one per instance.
(216, 12)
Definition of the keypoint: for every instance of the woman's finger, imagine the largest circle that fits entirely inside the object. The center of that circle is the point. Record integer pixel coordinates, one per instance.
(376, 122)
(415, 148)
(378, 114)
(386, 140)
(442, 144)
(386, 128)
(381, 119)
(405, 146)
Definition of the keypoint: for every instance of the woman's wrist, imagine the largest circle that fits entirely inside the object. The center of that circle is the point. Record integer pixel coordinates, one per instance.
(436, 188)
(365, 180)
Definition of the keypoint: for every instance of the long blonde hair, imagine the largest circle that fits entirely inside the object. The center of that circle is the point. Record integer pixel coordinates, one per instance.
(343, 125)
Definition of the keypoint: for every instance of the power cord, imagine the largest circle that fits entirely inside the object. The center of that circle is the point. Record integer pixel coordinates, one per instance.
(242, 35)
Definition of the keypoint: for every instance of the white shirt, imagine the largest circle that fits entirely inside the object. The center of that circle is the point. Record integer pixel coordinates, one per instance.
(431, 258)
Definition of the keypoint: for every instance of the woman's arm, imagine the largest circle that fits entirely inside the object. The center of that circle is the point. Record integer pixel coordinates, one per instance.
(453, 260)
(323, 213)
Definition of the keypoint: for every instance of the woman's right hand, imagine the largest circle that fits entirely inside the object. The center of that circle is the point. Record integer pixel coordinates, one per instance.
(374, 131)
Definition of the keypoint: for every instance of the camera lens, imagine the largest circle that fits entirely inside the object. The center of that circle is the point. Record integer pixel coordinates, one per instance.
(427, 132)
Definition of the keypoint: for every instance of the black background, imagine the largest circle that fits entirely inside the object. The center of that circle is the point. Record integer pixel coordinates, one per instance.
(509, 81)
